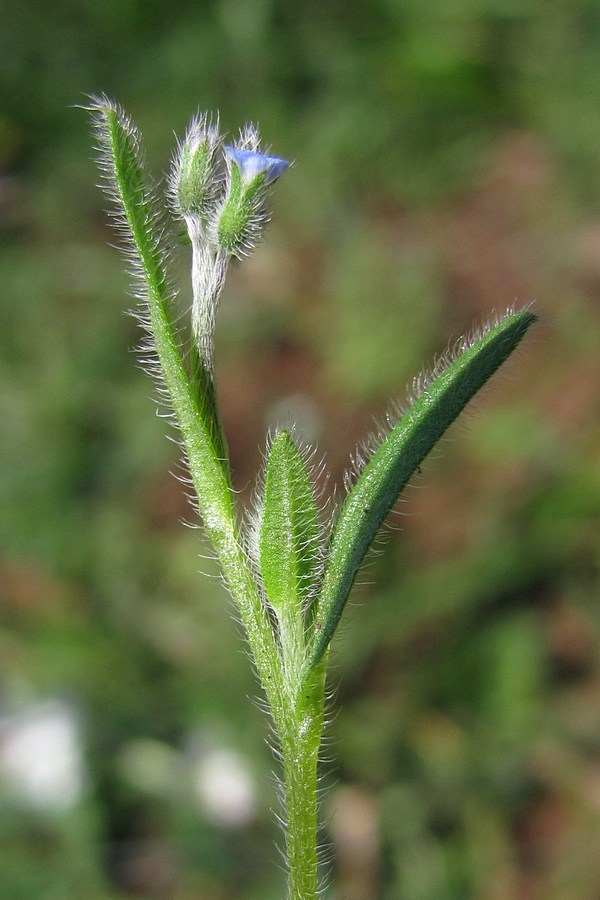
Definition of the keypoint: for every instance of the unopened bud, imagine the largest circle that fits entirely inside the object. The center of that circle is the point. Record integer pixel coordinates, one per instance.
(194, 179)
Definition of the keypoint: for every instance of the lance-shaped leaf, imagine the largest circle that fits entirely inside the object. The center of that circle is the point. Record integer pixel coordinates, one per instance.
(289, 530)
(397, 457)
(120, 160)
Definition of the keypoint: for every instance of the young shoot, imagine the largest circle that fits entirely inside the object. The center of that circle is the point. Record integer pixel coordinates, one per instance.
(288, 575)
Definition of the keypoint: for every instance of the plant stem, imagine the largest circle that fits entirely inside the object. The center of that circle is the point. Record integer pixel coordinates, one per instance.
(300, 773)
(300, 736)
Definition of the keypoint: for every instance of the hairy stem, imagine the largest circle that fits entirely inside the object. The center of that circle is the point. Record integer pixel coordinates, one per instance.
(300, 734)
(300, 774)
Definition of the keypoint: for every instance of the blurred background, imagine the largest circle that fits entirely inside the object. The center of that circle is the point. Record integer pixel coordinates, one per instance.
(447, 162)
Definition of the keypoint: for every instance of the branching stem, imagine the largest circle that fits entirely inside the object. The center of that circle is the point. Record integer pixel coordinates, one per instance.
(295, 586)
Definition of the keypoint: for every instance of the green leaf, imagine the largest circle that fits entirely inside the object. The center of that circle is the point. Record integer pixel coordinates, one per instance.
(289, 530)
(397, 457)
(119, 144)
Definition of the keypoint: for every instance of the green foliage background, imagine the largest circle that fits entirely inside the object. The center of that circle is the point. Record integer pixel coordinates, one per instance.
(447, 162)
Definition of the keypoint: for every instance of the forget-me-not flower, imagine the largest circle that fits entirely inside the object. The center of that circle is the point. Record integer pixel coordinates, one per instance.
(252, 163)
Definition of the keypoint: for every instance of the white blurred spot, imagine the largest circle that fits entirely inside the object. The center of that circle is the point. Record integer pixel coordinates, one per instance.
(225, 787)
(40, 756)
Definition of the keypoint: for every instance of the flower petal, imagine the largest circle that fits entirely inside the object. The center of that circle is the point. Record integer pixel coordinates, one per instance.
(251, 164)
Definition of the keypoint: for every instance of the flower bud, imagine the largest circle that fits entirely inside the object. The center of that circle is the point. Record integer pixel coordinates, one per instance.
(194, 180)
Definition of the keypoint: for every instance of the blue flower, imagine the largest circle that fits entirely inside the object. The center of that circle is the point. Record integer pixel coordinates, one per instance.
(251, 164)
